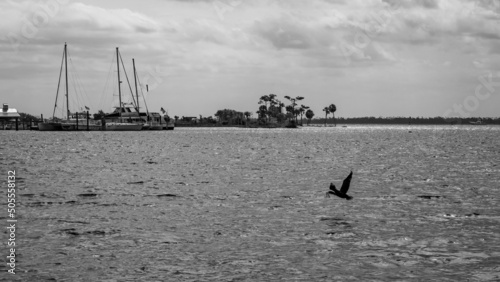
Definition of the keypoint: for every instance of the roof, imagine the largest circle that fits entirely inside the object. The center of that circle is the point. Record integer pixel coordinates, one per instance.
(9, 113)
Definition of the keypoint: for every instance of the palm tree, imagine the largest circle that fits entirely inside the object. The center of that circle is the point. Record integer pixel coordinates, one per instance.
(332, 108)
(289, 110)
(247, 115)
(294, 112)
(262, 112)
(272, 99)
(309, 115)
(327, 111)
(302, 110)
(264, 100)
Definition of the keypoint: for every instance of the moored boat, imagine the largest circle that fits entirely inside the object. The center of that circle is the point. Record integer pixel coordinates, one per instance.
(123, 118)
(49, 126)
(170, 126)
(123, 126)
(73, 121)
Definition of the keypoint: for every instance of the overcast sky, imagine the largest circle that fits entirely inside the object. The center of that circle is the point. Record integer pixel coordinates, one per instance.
(368, 57)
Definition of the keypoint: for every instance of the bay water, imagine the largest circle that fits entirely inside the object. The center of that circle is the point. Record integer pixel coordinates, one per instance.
(237, 204)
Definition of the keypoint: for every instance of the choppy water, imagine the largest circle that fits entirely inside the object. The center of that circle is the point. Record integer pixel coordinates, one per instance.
(220, 204)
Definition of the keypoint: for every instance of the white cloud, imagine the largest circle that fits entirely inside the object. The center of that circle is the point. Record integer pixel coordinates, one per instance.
(274, 44)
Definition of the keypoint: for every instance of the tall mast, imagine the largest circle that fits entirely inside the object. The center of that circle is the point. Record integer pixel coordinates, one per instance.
(135, 79)
(119, 89)
(66, 69)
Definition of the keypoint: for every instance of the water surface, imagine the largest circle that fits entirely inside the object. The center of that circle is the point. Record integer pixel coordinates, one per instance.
(229, 204)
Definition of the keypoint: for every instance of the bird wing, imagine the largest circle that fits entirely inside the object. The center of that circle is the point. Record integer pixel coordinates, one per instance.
(333, 188)
(346, 184)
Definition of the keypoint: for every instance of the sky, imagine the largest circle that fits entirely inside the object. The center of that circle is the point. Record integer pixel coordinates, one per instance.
(382, 58)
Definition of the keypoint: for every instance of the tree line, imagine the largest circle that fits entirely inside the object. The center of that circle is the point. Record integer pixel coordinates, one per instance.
(410, 120)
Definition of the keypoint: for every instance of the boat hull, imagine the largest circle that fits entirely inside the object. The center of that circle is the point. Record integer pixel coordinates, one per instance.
(120, 126)
(156, 127)
(61, 126)
(81, 127)
(49, 126)
(169, 126)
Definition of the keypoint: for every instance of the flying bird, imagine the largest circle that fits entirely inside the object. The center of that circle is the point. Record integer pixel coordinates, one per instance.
(343, 190)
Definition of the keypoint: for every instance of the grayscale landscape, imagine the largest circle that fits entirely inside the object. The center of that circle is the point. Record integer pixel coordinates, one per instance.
(210, 140)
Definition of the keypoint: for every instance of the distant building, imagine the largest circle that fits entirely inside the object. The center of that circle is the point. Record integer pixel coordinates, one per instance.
(8, 115)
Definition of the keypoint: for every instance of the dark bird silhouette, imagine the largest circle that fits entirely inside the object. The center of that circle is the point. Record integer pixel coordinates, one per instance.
(343, 190)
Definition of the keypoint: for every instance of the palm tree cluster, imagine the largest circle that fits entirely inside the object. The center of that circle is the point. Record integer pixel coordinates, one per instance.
(292, 109)
(271, 107)
(330, 110)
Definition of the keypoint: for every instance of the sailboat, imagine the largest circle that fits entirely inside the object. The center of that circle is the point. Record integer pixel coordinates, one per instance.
(154, 121)
(124, 118)
(74, 121)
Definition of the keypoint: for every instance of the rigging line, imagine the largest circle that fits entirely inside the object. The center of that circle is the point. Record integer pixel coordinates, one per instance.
(130, 87)
(75, 98)
(142, 93)
(58, 84)
(79, 84)
(83, 99)
(106, 85)
(133, 99)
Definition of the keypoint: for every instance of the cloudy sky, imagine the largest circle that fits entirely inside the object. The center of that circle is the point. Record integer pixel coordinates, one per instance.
(369, 57)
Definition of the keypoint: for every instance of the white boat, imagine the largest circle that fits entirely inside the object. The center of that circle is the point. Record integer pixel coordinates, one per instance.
(73, 121)
(153, 121)
(123, 118)
(81, 121)
(122, 126)
(156, 121)
(170, 125)
(127, 116)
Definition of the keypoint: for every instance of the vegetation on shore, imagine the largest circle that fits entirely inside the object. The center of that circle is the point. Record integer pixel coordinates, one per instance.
(272, 112)
(357, 120)
(410, 120)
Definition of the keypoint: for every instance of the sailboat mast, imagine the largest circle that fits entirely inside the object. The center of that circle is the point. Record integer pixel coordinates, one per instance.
(66, 72)
(135, 79)
(119, 89)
